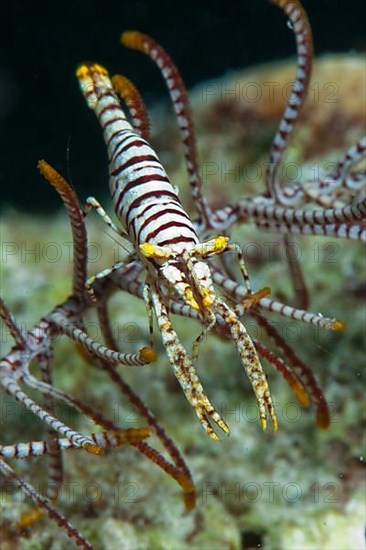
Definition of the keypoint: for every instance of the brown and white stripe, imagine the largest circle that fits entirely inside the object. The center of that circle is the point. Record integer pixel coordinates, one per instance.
(304, 43)
(103, 440)
(179, 98)
(144, 200)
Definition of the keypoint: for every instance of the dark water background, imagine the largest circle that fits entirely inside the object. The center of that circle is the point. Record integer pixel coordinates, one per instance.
(42, 113)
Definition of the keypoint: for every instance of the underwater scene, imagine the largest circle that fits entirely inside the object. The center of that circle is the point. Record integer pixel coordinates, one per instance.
(182, 230)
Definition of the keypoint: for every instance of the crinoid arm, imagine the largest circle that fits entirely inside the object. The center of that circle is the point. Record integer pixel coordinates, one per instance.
(45, 504)
(103, 440)
(304, 42)
(76, 218)
(179, 97)
(134, 103)
(177, 469)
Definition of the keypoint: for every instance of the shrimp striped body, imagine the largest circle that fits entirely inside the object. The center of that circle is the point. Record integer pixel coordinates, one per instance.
(144, 200)
(164, 238)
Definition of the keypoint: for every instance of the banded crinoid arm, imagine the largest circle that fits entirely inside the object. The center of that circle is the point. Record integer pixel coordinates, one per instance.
(349, 214)
(134, 103)
(352, 232)
(299, 389)
(179, 97)
(238, 294)
(177, 469)
(61, 319)
(55, 465)
(12, 387)
(12, 325)
(88, 411)
(76, 217)
(338, 188)
(14, 366)
(313, 193)
(65, 317)
(346, 222)
(126, 278)
(55, 461)
(339, 177)
(103, 440)
(45, 504)
(304, 43)
(301, 297)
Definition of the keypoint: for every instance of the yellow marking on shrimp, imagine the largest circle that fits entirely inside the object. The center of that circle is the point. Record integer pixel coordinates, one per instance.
(84, 70)
(208, 298)
(220, 243)
(153, 251)
(190, 299)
